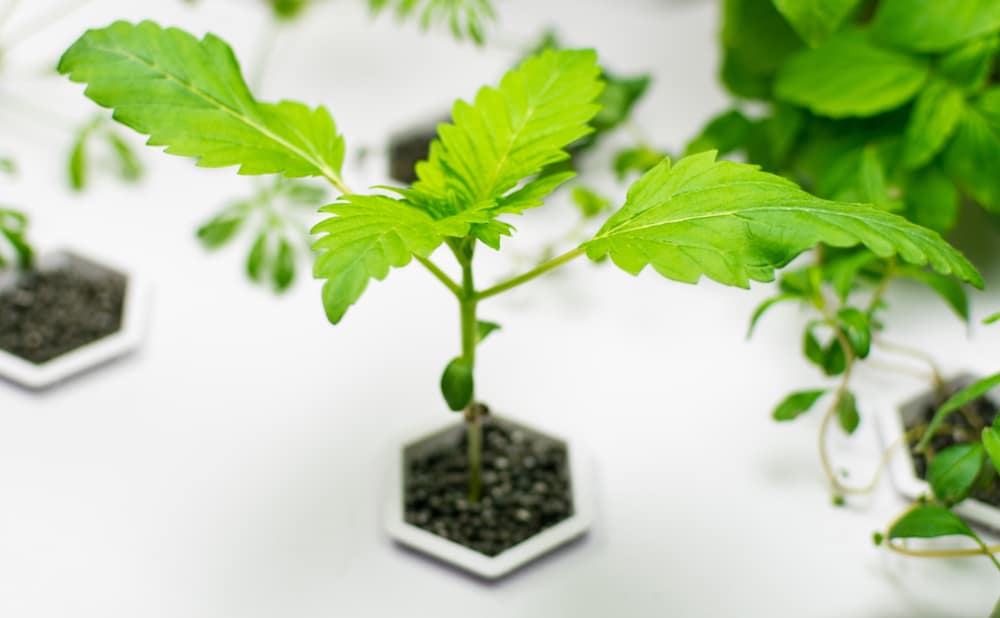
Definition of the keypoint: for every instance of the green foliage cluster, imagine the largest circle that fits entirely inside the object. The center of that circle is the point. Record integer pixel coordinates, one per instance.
(13, 231)
(952, 473)
(465, 18)
(499, 156)
(125, 163)
(276, 218)
(895, 103)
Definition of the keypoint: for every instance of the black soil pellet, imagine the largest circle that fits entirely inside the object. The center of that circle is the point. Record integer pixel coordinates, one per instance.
(988, 489)
(525, 487)
(45, 314)
(406, 150)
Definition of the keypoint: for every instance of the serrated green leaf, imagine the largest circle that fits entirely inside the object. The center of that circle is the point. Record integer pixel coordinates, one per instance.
(934, 25)
(756, 41)
(796, 404)
(589, 202)
(364, 238)
(815, 20)
(258, 258)
(220, 229)
(509, 134)
(772, 139)
(78, 164)
(991, 442)
(641, 160)
(855, 325)
(617, 100)
(963, 397)
(22, 250)
(930, 521)
(969, 66)
(847, 413)
(935, 116)
(948, 289)
(734, 223)
(953, 471)
(464, 18)
(129, 167)
(834, 358)
(842, 270)
(300, 192)
(812, 349)
(857, 175)
(724, 133)
(972, 157)
(484, 329)
(458, 384)
(189, 95)
(849, 76)
(931, 199)
(767, 304)
(283, 273)
(288, 9)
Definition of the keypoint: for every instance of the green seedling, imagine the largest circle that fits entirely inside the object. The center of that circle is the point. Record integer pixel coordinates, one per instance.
(698, 217)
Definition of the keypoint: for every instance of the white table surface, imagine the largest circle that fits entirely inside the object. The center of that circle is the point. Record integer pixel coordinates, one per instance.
(235, 467)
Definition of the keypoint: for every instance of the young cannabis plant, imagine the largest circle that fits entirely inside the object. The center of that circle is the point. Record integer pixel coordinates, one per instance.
(954, 474)
(276, 217)
(79, 163)
(126, 164)
(465, 18)
(695, 218)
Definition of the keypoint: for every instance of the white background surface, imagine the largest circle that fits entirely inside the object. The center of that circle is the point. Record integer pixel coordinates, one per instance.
(235, 466)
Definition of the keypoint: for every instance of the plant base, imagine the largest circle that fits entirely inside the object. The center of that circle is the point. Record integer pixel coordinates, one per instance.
(534, 498)
(67, 315)
(907, 468)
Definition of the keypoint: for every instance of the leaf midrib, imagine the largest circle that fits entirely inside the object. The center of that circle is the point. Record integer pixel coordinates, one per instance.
(529, 115)
(320, 165)
(713, 215)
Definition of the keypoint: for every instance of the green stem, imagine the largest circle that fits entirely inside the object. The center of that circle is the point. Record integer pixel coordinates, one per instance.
(936, 374)
(468, 305)
(531, 274)
(442, 277)
(474, 429)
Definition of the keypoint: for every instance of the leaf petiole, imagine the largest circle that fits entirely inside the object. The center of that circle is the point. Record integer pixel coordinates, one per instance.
(441, 276)
(552, 264)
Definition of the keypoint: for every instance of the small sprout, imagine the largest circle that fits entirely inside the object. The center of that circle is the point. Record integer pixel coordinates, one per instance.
(878, 538)
(839, 500)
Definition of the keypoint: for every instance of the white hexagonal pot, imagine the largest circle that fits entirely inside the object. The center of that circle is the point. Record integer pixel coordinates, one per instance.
(90, 355)
(892, 421)
(470, 560)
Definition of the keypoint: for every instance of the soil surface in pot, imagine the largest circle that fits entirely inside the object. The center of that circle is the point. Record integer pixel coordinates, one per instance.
(408, 149)
(984, 412)
(44, 314)
(525, 487)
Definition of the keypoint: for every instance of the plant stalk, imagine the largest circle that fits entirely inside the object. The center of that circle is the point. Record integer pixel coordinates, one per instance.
(474, 428)
(552, 264)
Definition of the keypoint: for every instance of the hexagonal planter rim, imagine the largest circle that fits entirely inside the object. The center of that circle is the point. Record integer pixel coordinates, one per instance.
(90, 355)
(481, 565)
(901, 470)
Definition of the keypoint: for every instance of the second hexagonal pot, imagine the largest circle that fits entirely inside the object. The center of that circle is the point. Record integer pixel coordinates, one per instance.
(535, 497)
(893, 423)
(105, 304)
